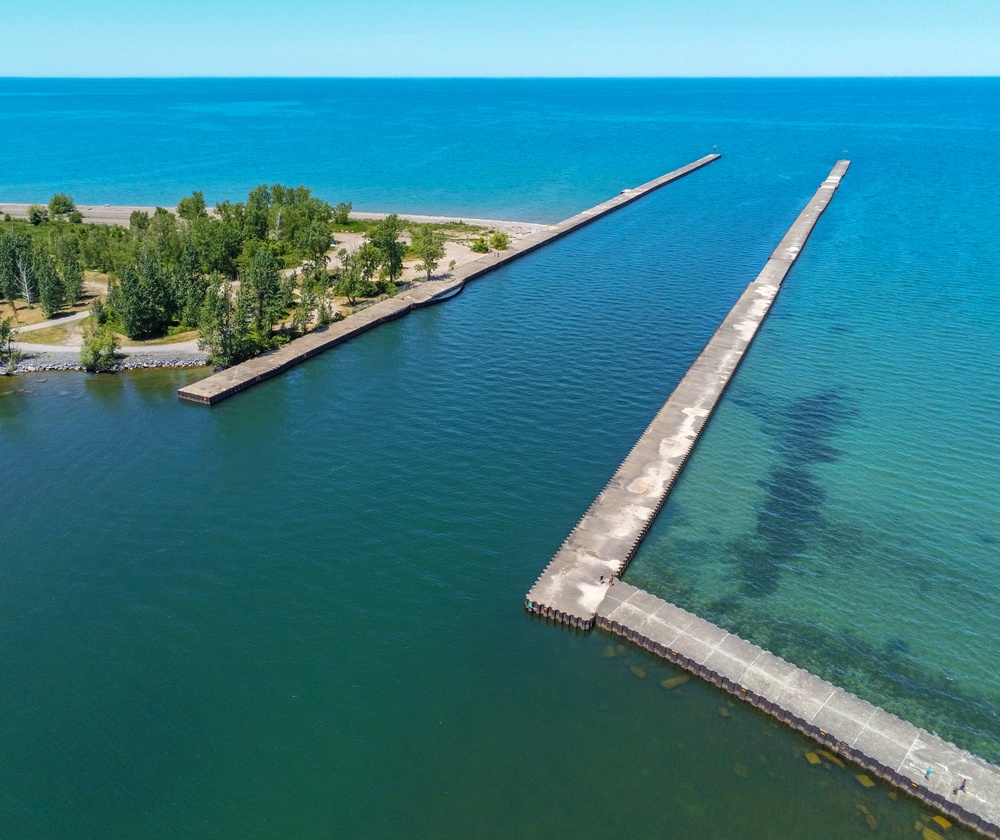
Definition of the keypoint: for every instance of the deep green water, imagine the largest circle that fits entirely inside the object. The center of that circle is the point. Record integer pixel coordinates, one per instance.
(300, 613)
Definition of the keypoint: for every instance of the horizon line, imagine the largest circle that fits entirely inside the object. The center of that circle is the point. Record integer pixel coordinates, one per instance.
(831, 77)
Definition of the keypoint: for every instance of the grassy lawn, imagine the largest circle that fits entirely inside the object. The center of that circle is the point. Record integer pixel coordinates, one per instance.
(63, 334)
(176, 338)
(451, 230)
(26, 316)
(354, 226)
(50, 335)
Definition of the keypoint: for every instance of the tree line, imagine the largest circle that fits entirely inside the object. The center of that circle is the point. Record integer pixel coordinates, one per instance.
(217, 271)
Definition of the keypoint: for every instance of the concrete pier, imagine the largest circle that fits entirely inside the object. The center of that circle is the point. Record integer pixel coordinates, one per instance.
(576, 588)
(881, 743)
(603, 542)
(232, 380)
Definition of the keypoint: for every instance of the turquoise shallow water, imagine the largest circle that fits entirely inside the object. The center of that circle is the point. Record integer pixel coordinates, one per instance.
(842, 508)
(299, 613)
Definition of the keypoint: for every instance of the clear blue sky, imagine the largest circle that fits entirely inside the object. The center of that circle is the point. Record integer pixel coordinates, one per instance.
(500, 38)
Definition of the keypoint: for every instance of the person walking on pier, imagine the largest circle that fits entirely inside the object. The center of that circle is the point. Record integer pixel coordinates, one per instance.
(960, 788)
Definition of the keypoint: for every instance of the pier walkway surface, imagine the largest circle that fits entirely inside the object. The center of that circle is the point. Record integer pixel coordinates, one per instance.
(580, 586)
(232, 380)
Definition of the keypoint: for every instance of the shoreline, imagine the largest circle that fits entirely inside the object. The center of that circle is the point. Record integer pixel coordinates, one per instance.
(65, 357)
(44, 362)
(118, 214)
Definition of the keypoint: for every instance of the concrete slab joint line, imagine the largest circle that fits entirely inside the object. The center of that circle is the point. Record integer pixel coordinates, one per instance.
(235, 379)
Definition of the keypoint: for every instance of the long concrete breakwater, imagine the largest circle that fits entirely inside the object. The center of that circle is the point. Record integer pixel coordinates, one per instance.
(230, 381)
(879, 742)
(571, 587)
(580, 587)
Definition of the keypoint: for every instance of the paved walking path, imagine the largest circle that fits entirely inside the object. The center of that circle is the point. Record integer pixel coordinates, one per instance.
(55, 322)
(73, 349)
(184, 347)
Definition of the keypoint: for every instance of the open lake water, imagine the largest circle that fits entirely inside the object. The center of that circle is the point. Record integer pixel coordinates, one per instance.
(300, 613)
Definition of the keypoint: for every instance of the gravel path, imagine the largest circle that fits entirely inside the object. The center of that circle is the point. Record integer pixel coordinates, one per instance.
(185, 347)
(41, 357)
(54, 322)
(37, 362)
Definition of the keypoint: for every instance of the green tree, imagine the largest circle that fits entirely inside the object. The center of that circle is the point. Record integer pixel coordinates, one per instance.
(103, 247)
(317, 242)
(385, 237)
(142, 298)
(352, 281)
(17, 275)
(189, 285)
(220, 241)
(9, 354)
(192, 207)
(100, 312)
(163, 237)
(37, 214)
(267, 295)
(350, 286)
(368, 258)
(342, 213)
(307, 303)
(51, 292)
(60, 204)
(428, 245)
(292, 213)
(65, 248)
(8, 274)
(66, 252)
(138, 221)
(499, 241)
(72, 280)
(257, 209)
(259, 198)
(226, 335)
(100, 347)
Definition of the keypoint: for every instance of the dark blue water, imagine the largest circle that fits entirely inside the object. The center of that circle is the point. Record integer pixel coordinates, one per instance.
(299, 613)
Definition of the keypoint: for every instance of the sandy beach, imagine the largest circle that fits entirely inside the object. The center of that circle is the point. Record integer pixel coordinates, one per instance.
(118, 214)
(98, 214)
